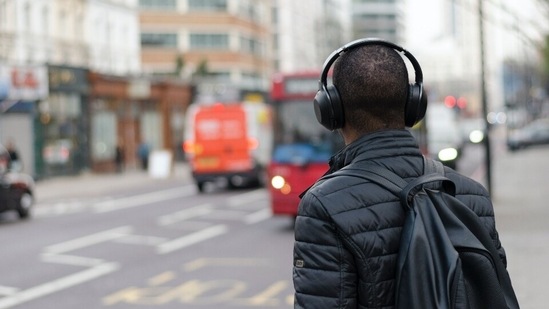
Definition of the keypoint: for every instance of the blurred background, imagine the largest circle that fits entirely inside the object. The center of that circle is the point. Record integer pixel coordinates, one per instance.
(160, 146)
(78, 78)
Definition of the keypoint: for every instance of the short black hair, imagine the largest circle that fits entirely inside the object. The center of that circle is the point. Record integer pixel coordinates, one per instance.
(373, 84)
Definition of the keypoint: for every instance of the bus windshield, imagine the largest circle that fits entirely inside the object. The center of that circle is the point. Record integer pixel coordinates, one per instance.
(299, 138)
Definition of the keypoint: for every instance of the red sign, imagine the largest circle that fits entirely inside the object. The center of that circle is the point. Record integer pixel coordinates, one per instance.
(25, 82)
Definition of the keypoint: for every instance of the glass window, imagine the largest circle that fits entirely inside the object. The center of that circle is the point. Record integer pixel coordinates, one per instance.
(250, 45)
(298, 137)
(103, 135)
(208, 5)
(209, 41)
(151, 125)
(159, 39)
(158, 4)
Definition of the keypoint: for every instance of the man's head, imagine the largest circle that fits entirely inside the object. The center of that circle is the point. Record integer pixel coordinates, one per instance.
(372, 82)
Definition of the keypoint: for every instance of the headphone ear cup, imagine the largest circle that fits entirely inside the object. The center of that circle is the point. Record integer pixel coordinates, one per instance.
(338, 118)
(328, 108)
(416, 105)
(323, 110)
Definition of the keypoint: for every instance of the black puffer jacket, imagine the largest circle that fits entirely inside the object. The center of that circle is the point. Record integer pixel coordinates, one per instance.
(347, 231)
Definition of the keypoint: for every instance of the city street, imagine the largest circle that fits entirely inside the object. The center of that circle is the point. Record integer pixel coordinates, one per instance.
(163, 247)
(131, 241)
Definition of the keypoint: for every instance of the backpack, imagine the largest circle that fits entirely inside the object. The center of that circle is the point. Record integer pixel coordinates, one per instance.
(447, 258)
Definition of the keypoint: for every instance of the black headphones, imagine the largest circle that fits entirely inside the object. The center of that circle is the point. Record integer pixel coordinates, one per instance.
(327, 103)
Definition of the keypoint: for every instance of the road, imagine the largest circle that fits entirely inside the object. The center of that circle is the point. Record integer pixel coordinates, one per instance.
(167, 248)
(158, 246)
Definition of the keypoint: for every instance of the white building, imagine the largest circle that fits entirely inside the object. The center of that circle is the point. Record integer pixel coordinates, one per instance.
(101, 35)
(46, 50)
(307, 31)
(445, 37)
(378, 19)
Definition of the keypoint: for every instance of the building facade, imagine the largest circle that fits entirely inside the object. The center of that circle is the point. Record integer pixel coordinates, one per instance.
(71, 86)
(382, 19)
(306, 32)
(225, 40)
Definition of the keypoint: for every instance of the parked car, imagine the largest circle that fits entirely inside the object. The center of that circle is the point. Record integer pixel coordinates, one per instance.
(534, 133)
(16, 188)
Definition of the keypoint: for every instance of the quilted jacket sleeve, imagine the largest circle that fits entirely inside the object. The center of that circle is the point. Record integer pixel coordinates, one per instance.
(324, 274)
(478, 199)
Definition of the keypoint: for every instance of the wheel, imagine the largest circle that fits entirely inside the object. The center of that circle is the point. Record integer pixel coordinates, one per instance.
(25, 205)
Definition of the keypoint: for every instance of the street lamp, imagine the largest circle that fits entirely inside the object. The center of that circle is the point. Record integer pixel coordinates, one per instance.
(488, 162)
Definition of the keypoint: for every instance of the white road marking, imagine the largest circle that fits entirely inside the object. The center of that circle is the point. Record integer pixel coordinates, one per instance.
(258, 216)
(140, 240)
(7, 290)
(57, 285)
(245, 198)
(71, 260)
(229, 214)
(88, 240)
(184, 214)
(191, 239)
(143, 199)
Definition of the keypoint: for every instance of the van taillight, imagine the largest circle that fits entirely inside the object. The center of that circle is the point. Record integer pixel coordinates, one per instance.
(188, 147)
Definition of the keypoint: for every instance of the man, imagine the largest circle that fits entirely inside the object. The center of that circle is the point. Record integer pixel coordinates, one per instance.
(347, 231)
(13, 154)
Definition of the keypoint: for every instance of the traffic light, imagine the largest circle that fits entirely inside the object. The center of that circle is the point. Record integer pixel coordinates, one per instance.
(462, 103)
(450, 101)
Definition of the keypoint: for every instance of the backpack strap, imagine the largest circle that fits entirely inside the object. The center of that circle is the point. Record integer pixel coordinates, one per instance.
(432, 166)
(433, 177)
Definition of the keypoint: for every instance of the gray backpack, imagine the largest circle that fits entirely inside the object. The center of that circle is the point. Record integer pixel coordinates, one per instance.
(446, 258)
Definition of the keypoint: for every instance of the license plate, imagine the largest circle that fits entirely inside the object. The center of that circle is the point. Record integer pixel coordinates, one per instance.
(208, 162)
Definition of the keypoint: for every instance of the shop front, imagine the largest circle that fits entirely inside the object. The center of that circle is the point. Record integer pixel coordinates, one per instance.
(22, 88)
(127, 113)
(62, 124)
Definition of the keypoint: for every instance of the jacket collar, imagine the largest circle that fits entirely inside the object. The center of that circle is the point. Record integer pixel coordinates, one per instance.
(371, 146)
(375, 145)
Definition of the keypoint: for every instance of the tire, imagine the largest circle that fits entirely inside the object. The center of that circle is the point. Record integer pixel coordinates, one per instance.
(25, 205)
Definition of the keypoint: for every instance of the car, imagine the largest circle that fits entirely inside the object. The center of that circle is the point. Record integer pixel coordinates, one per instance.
(534, 133)
(16, 187)
(472, 130)
(444, 142)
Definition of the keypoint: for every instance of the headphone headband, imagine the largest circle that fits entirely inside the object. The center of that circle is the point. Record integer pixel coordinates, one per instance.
(368, 41)
(327, 102)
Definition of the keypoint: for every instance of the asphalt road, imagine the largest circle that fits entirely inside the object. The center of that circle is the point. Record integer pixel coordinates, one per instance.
(167, 248)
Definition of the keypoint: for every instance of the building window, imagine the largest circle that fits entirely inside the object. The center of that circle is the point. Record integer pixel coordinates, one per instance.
(252, 46)
(26, 17)
(3, 13)
(46, 21)
(158, 4)
(209, 41)
(158, 39)
(208, 5)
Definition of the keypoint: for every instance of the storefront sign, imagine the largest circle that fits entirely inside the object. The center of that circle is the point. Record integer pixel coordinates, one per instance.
(24, 82)
(63, 78)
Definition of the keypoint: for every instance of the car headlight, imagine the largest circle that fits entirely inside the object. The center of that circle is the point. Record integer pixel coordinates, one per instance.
(278, 182)
(447, 154)
(476, 136)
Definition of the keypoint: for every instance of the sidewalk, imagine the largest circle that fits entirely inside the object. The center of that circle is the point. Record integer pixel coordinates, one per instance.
(520, 197)
(104, 183)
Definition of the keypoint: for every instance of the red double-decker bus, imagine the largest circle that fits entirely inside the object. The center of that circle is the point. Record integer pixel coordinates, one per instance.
(302, 147)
